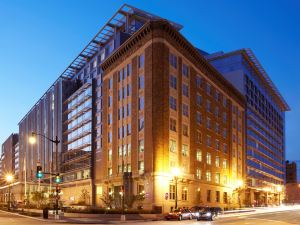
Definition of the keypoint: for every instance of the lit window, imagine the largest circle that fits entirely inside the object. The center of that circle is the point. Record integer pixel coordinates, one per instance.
(217, 161)
(172, 146)
(172, 124)
(217, 178)
(185, 130)
(199, 174)
(199, 155)
(208, 158)
(141, 166)
(224, 163)
(184, 194)
(208, 176)
(184, 150)
(172, 192)
(141, 145)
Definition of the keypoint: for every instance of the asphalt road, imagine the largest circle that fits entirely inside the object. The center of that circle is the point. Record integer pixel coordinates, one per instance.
(274, 218)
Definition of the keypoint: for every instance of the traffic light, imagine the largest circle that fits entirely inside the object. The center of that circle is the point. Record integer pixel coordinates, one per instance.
(39, 172)
(57, 178)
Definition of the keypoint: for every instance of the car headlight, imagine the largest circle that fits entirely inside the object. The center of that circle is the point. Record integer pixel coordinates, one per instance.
(208, 214)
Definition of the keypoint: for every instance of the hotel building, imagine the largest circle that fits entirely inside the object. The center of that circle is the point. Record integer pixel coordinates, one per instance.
(137, 103)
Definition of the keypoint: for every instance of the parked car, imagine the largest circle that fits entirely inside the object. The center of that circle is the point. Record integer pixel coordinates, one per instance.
(195, 210)
(206, 213)
(179, 214)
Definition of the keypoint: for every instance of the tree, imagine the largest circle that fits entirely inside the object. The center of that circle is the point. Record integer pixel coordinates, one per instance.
(38, 197)
(107, 199)
(84, 197)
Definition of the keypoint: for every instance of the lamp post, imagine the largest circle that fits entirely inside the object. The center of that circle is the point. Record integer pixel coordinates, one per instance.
(32, 140)
(9, 179)
(176, 173)
(279, 189)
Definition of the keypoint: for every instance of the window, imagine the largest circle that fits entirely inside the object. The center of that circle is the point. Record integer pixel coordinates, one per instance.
(185, 130)
(120, 75)
(208, 106)
(199, 155)
(217, 129)
(217, 161)
(141, 123)
(185, 90)
(208, 196)
(173, 103)
(224, 133)
(208, 176)
(128, 129)
(141, 145)
(198, 81)
(208, 141)
(141, 103)
(109, 137)
(208, 158)
(217, 144)
(199, 100)
(198, 137)
(208, 123)
(224, 148)
(128, 89)
(173, 82)
(208, 89)
(172, 124)
(141, 61)
(217, 112)
(185, 110)
(172, 192)
(184, 194)
(109, 101)
(225, 197)
(199, 118)
(224, 101)
(128, 109)
(224, 117)
(173, 146)
(110, 83)
(218, 196)
(109, 171)
(109, 154)
(217, 178)
(198, 174)
(141, 82)
(129, 69)
(173, 60)
(217, 96)
(184, 150)
(185, 70)
(141, 166)
(224, 163)
(109, 119)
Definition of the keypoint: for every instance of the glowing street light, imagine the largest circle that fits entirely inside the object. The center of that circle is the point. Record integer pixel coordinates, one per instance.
(9, 178)
(32, 138)
(176, 174)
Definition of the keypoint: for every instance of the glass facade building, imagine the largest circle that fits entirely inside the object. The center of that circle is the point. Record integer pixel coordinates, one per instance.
(265, 130)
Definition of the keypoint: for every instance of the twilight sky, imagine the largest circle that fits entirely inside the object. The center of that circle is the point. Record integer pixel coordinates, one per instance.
(38, 40)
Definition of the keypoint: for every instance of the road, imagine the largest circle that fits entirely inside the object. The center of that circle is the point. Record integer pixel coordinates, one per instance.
(271, 218)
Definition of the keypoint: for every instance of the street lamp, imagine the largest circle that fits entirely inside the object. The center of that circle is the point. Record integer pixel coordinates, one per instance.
(9, 179)
(176, 174)
(32, 140)
(279, 190)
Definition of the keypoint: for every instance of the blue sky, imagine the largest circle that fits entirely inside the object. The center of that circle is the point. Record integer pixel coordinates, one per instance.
(38, 39)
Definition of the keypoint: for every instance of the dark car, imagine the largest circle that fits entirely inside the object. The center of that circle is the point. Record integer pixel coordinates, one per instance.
(179, 214)
(206, 214)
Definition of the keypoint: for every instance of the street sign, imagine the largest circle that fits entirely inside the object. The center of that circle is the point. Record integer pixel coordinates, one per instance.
(166, 196)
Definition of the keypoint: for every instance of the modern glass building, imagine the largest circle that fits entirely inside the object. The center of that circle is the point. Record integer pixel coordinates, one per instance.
(265, 132)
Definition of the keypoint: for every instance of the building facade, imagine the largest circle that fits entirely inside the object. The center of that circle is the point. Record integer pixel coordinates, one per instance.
(291, 172)
(265, 131)
(138, 103)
